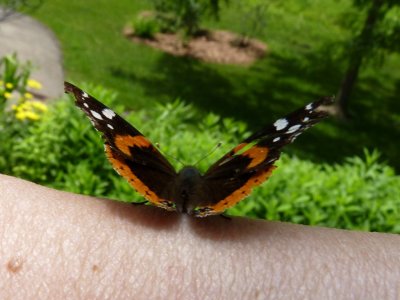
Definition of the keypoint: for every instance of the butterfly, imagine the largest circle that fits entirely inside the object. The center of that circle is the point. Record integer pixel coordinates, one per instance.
(225, 183)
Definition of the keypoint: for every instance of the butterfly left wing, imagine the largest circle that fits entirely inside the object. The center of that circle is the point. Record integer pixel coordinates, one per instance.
(232, 177)
(130, 153)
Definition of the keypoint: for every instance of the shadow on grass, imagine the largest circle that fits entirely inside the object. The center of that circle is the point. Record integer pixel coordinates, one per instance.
(272, 88)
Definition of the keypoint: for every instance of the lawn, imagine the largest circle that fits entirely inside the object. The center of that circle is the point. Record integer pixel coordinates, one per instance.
(305, 61)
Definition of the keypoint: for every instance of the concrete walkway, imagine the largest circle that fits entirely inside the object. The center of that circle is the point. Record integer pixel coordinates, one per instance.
(33, 41)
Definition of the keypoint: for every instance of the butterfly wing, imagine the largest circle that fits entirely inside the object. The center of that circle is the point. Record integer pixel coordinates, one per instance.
(130, 153)
(232, 177)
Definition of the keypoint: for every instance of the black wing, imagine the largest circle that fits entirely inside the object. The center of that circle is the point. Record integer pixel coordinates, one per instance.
(130, 153)
(250, 163)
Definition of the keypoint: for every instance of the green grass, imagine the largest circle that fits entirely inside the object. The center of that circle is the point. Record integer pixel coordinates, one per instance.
(305, 61)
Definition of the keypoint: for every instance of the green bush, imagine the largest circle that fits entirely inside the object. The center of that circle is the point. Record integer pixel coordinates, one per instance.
(62, 150)
(358, 194)
(55, 150)
(185, 15)
(18, 108)
(16, 87)
(145, 26)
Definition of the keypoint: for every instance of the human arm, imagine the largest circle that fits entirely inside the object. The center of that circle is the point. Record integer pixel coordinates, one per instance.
(56, 245)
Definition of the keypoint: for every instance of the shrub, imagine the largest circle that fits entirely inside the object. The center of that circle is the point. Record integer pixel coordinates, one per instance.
(186, 15)
(361, 193)
(17, 106)
(55, 150)
(63, 150)
(145, 26)
(13, 77)
(15, 81)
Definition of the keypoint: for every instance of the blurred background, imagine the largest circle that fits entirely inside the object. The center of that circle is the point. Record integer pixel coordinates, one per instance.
(189, 74)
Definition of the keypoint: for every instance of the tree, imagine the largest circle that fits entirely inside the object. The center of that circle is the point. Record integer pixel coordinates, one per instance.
(186, 14)
(374, 35)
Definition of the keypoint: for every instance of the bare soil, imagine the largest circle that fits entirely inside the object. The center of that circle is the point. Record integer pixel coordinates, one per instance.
(218, 46)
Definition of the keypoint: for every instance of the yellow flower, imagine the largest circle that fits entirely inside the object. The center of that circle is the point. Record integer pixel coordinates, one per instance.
(24, 115)
(20, 115)
(29, 110)
(39, 105)
(28, 95)
(32, 83)
(32, 116)
(7, 95)
(9, 85)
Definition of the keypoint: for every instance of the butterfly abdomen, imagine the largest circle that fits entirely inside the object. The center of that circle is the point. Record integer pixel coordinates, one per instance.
(187, 192)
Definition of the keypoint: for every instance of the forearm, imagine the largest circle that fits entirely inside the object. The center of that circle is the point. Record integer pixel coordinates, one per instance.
(56, 244)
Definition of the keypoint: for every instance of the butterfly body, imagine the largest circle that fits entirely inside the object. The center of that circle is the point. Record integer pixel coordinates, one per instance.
(187, 190)
(225, 183)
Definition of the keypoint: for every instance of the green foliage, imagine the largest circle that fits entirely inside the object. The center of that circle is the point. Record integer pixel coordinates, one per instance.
(253, 20)
(185, 14)
(62, 150)
(359, 194)
(388, 33)
(376, 33)
(15, 115)
(15, 81)
(13, 77)
(58, 147)
(146, 26)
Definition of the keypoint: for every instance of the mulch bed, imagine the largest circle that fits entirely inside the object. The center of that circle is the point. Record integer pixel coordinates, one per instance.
(218, 46)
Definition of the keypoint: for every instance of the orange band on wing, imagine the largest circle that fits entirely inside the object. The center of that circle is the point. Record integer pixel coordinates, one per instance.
(239, 194)
(257, 155)
(134, 181)
(124, 142)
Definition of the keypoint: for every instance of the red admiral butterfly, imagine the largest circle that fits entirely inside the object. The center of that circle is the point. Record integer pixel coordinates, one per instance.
(225, 183)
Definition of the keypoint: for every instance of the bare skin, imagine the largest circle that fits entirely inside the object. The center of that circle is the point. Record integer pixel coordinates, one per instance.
(56, 245)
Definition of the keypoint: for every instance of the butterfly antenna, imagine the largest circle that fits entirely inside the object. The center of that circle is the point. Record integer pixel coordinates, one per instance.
(169, 156)
(209, 153)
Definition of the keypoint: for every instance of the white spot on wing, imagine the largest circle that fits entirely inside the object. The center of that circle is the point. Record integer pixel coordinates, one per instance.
(96, 115)
(85, 105)
(293, 128)
(281, 124)
(306, 119)
(108, 113)
(85, 95)
(276, 139)
(309, 106)
(110, 126)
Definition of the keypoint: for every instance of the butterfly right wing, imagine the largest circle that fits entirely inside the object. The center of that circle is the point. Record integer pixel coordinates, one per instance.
(249, 164)
(130, 153)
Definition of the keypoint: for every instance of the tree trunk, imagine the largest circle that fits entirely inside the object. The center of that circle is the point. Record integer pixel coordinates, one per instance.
(363, 44)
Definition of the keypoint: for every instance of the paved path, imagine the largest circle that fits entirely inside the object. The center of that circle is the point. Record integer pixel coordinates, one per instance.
(34, 42)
